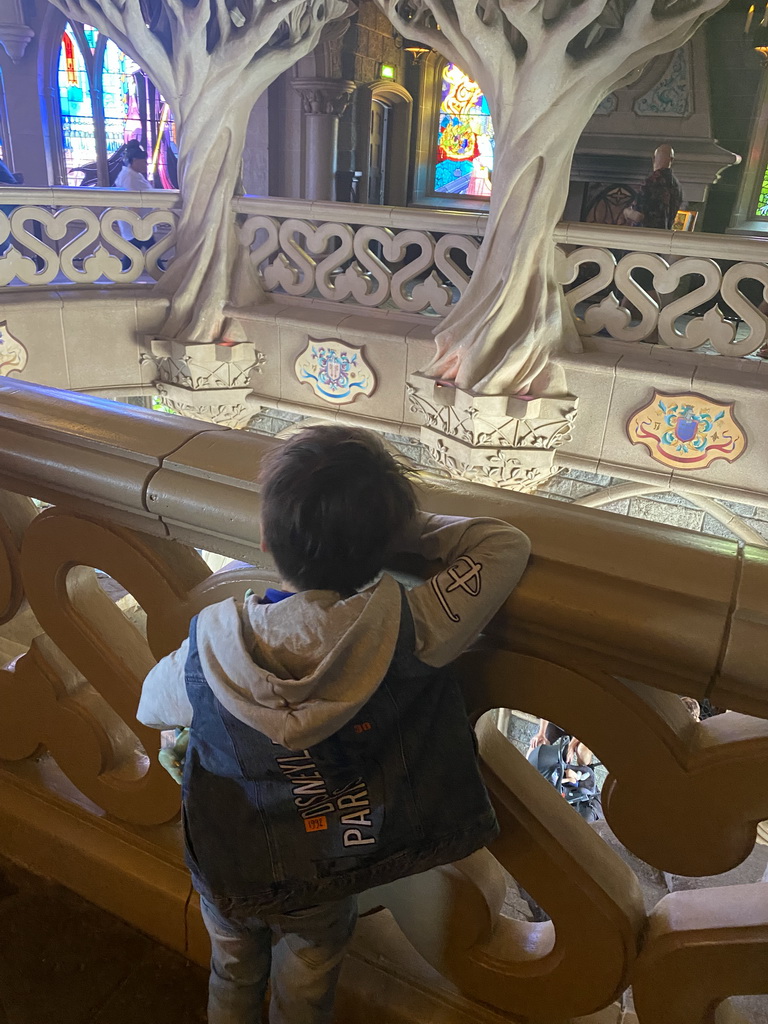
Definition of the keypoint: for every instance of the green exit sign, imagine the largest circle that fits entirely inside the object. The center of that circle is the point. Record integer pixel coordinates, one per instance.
(388, 71)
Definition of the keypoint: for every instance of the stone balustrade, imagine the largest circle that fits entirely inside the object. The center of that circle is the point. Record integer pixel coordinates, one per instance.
(682, 290)
(691, 295)
(56, 235)
(419, 261)
(413, 260)
(612, 620)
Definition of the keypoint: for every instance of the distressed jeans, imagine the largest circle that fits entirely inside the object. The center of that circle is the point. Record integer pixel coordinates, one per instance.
(301, 952)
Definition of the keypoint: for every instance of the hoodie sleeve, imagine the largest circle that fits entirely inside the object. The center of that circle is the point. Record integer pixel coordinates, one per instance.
(164, 703)
(482, 559)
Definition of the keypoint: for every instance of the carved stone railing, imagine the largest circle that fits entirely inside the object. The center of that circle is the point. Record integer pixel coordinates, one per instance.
(419, 261)
(612, 619)
(689, 284)
(414, 260)
(676, 289)
(66, 235)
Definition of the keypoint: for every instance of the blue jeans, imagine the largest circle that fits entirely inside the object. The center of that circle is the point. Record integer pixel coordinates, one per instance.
(302, 951)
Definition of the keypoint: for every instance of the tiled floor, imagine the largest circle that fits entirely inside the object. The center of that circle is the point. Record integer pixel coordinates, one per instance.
(64, 961)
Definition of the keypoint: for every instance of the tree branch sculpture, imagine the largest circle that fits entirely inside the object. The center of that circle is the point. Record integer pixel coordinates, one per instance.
(544, 65)
(211, 60)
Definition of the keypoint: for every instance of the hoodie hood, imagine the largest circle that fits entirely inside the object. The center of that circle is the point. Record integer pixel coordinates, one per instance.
(299, 669)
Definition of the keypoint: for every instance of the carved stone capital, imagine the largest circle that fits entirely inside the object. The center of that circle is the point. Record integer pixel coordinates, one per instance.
(15, 38)
(496, 440)
(324, 95)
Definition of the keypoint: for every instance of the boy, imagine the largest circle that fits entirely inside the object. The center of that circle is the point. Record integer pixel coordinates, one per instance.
(330, 750)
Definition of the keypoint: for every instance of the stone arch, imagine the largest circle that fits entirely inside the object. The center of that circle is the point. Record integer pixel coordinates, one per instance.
(48, 90)
(398, 157)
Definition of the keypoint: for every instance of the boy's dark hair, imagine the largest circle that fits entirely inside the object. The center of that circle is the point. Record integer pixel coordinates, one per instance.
(333, 500)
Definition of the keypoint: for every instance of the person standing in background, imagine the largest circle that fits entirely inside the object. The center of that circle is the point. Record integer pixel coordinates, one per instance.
(133, 178)
(661, 195)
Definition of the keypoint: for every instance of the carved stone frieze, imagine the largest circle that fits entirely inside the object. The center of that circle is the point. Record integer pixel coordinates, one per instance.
(226, 408)
(324, 95)
(497, 440)
(198, 366)
(672, 95)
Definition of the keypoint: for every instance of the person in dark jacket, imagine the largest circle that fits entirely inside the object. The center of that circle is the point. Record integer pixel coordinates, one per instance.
(329, 748)
(661, 196)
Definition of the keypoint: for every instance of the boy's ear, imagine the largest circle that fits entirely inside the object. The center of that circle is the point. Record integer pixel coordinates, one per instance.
(262, 543)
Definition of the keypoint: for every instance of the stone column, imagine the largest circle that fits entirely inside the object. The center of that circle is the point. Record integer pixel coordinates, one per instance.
(324, 101)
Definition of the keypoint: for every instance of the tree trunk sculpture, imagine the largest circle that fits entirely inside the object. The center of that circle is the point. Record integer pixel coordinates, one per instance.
(544, 65)
(211, 60)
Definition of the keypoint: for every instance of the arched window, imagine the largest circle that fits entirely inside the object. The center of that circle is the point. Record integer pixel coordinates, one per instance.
(465, 141)
(105, 99)
(78, 134)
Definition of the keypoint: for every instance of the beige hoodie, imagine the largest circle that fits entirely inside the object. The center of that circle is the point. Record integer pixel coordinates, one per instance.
(299, 669)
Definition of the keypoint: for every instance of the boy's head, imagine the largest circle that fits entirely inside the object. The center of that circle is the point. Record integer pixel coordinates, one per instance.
(333, 500)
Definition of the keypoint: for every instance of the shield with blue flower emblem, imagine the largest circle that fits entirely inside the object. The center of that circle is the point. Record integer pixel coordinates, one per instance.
(687, 431)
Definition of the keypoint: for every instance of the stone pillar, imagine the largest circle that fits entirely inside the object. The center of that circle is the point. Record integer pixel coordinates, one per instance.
(496, 440)
(324, 101)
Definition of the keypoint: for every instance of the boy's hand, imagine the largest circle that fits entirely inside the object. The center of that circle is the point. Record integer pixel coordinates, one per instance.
(539, 740)
(172, 758)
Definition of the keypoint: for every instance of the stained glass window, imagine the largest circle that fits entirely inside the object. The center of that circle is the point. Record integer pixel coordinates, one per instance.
(91, 37)
(465, 140)
(77, 130)
(134, 109)
(121, 108)
(128, 104)
(762, 202)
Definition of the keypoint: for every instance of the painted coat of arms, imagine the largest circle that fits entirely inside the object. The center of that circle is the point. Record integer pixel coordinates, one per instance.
(13, 355)
(335, 371)
(687, 431)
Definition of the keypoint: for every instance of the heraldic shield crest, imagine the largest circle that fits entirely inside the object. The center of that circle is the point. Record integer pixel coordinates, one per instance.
(13, 355)
(687, 431)
(336, 372)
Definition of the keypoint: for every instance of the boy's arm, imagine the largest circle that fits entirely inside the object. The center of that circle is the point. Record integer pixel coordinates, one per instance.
(481, 562)
(164, 703)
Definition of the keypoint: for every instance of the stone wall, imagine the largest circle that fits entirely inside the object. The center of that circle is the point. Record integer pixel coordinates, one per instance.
(734, 78)
(662, 507)
(368, 43)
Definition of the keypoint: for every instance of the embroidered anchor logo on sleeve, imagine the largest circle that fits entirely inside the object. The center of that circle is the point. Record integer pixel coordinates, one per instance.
(464, 575)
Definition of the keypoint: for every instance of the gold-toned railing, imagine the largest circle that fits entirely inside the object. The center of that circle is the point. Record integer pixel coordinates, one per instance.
(612, 620)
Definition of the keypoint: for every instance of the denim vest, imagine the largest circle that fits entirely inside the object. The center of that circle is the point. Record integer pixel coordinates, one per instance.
(395, 791)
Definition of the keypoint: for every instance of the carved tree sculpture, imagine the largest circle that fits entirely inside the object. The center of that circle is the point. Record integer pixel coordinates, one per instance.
(544, 65)
(211, 60)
